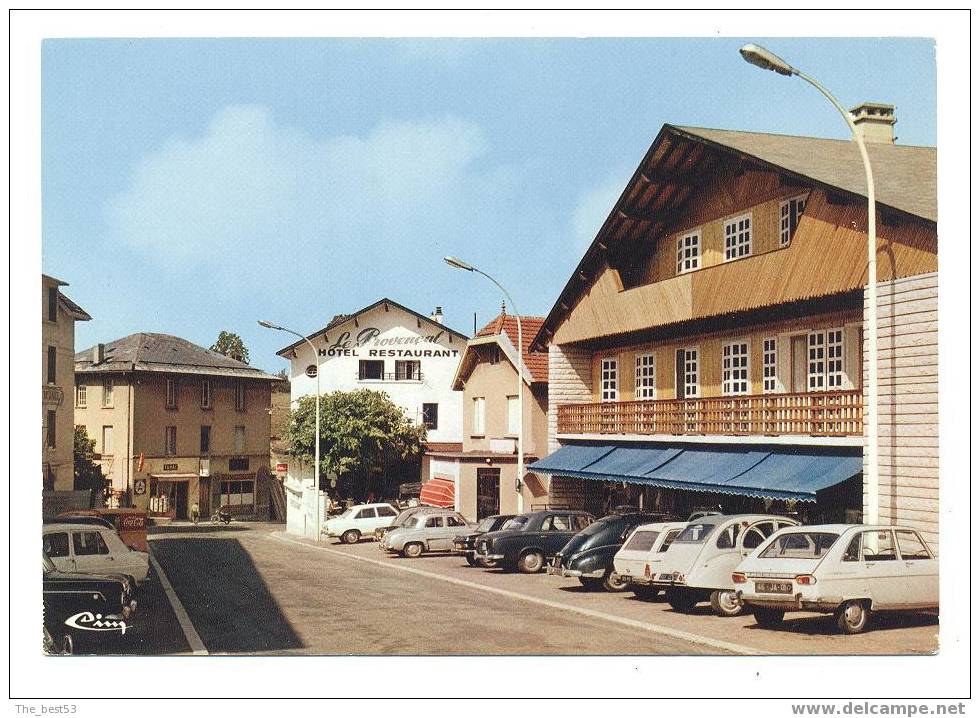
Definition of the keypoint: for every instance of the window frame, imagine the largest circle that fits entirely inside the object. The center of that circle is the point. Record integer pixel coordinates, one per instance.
(51, 367)
(688, 261)
(170, 441)
(206, 397)
(645, 370)
(790, 211)
(205, 444)
(770, 365)
(108, 393)
(826, 351)
(736, 380)
(430, 418)
(111, 451)
(172, 392)
(239, 430)
(81, 396)
(53, 304)
(240, 389)
(362, 365)
(479, 416)
(692, 357)
(733, 241)
(609, 379)
(513, 414)
(401, 365)
(51, 429)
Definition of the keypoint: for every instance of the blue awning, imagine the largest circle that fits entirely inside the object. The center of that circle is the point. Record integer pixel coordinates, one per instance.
(761, 471)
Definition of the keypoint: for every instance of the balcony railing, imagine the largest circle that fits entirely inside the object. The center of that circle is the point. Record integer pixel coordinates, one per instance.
(391, 376)
(838, 413)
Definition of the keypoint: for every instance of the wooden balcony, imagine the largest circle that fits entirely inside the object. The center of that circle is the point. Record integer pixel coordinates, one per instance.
(838, 413)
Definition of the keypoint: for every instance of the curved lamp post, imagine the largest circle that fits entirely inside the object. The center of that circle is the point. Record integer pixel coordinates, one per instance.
(316, 465)
(760, 57)
(460, 264)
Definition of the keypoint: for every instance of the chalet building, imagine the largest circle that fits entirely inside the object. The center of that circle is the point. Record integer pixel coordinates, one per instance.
(58, 317)
(482, 476)
(177, 424)
(709, 349)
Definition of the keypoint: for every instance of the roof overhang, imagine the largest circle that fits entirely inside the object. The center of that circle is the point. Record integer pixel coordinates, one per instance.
(467, 362)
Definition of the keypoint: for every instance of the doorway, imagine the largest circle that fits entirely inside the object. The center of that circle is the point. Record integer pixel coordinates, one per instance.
(487, 493)
(180, 500)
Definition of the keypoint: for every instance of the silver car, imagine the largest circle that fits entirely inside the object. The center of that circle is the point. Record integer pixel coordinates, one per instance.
(424, 532)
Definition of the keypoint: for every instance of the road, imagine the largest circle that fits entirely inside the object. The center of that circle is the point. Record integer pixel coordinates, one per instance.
(252, 589)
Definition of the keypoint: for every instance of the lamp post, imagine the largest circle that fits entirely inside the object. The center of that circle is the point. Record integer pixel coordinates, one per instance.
(316, 443)
(460, 264)
(760, 57)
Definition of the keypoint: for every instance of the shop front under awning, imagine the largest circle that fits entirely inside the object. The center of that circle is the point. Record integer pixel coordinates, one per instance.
(768, 472)
(438, 492)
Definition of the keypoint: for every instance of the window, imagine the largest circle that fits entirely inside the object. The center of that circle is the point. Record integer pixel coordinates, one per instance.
(454, 521)
(52, 304)
(434, 522)
(641, 541)
(239, 439)
(366, 514)
(205, 440)
(668, 540)
(690, 373)
(479, 415)
(809, 544)
(50, 437)
(56, 545)
(580, 522)
(239, 395)
(171, 393)
(88, 543)
(52, 365)
(609, 380)
(738, 237)
(206, 394)
(81, 396)
(558, 522)
(170, 441)
(735, 368)
(238, 463)
(107, 441)
(688, 252)
(513, 415)
(768, 365)
(493, 354)
(408, 370)
(825, 360)
(371, 369)
(878, 546)
(107, 392)
(853, 552)
(430, 416)
(911, 546)
(789, 216)
(835, 359)
(237, 493)
(646, 377)
(386, 511)
(728, 536)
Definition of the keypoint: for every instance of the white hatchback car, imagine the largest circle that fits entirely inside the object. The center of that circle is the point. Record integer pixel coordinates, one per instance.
(638, 561)
(88, 548)
(360, 520)
(843, 569)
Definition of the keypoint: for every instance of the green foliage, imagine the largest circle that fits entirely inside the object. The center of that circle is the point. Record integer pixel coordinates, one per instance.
(366, 441)
(231, 345)
(88, 474)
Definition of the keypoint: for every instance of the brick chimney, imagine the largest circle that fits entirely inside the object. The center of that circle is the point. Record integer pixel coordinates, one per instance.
(875, 121)
(98, 353)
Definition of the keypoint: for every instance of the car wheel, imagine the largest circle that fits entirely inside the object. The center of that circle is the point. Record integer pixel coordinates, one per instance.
(725, 604)
(412, 550)
(852, 617)
(590, 583)
(681, 599)
(530, 562)
(613, 582)
(351, 536)
(768, 617)
(470, 560)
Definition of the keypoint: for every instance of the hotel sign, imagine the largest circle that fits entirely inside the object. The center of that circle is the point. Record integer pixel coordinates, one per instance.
(170, 467)
(368, 342)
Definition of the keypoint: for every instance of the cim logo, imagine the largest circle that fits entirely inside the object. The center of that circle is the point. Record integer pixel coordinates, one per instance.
(88, 621)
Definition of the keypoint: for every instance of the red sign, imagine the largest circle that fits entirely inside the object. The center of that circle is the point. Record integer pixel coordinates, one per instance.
(282, 468)
(133, 521)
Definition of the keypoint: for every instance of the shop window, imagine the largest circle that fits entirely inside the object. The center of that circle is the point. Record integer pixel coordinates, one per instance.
(646, 377)
(738, 237)
(370, 369)
(790, 212)
(735, 368)
(237, 493)
(430, 416)
(408, 370)
(688, 252)
(609, 380)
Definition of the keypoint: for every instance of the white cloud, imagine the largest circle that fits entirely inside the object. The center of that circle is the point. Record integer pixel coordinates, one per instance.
(251, 185)
(595, 204)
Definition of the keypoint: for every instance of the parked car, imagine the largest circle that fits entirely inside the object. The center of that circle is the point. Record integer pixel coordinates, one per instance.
(588, 555)
(639, 559)
(847, 570)
(360, 520)
(91, 548)
(80, 609)
(698, 565)
(425, 532)
(401, 519)
(465, 544)
(526, 542)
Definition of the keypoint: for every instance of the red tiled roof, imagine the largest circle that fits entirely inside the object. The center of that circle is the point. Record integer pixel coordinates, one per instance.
(536, 362)
(438, 447)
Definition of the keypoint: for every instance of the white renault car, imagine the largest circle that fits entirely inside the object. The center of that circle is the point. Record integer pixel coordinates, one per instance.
(89, 548)
(843, 569)
(698, 565)
(360, 520)
(639, 559)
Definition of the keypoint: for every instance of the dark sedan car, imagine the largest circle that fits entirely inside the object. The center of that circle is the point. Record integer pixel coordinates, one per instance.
(588, 556)
(527, 541)
(465, 545)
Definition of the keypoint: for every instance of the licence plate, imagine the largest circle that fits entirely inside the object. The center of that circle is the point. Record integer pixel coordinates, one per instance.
(773, 587)
(460, 545)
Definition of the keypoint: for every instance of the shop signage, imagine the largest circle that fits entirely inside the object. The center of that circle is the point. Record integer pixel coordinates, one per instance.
(140, 487)
(368, 342)
(170, 467)
(281, 468)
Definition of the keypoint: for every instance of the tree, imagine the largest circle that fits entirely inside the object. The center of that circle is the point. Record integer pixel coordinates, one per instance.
(88, 474)
(231, 345)
(366, 442)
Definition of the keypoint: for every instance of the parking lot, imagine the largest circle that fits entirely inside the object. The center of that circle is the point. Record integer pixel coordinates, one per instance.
(253, 589)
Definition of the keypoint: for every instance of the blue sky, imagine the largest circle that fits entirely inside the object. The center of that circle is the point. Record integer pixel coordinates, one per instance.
(194, 186)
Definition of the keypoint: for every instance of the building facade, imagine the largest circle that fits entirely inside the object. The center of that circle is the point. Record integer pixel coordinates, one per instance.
(177, 425)
(710, 348)
(484, 470)
(58, 317)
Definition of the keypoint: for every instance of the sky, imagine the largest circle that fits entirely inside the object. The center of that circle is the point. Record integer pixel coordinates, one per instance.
(194, 186)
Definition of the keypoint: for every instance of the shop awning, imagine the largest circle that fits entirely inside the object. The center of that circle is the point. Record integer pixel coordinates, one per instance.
(776, 472)
(438, 492)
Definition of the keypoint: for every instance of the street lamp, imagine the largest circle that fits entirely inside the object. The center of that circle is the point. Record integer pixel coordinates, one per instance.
(760, 57)
(460, 264)
(316, 465)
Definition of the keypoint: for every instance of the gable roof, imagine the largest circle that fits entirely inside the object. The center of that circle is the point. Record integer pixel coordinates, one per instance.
(148, 351)
(73, 310)
(502, 331)
(339, 319)
(682, 158)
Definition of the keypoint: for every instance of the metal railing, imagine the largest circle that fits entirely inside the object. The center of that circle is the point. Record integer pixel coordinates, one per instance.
(837, 413)
(392, 376)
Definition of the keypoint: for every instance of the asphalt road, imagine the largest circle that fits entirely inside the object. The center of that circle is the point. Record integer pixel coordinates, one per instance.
(252, 589)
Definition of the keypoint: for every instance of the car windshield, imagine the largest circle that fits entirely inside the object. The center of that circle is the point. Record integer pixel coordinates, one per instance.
(485, 525)
(348, 512)
(515, 524)
(800, 544)
(404, 518)
(641, 541)
(696, 532)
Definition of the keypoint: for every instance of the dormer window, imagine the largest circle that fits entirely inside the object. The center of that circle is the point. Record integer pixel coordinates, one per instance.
(688, 252)
(738, 237)
(790, 212)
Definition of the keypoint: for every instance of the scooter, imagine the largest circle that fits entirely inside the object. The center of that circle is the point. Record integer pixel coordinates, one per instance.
(222, 515)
